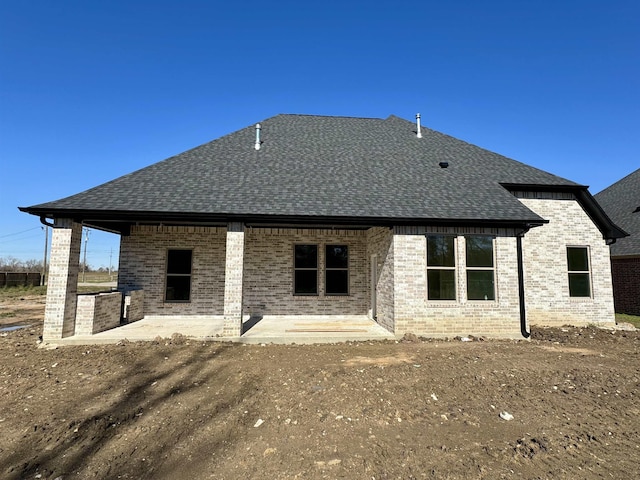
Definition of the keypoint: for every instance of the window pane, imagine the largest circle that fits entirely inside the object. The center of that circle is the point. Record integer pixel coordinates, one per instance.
(577, 259)
(479, 251)
(579, 285)
(306, 256)
(306, 282)
(337, 282)
(178, 288)
(440, 251)
(179, 261)
(337, 256)
(480, 285)
(442, 284)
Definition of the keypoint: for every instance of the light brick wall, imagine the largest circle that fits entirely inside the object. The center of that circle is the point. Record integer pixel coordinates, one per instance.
(62, 283)
(416, 314)
(380, 244)
(143, 257)
(268, 273)
(97, 313)
(233, 280)
(545, 263)
(626, 284)
(262, 262)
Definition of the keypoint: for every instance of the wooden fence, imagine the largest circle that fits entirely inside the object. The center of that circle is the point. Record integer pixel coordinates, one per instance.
(19, 279)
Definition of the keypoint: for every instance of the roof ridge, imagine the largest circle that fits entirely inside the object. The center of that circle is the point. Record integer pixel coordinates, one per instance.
(323, 116)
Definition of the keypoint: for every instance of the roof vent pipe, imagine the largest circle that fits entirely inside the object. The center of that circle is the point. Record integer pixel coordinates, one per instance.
(257, 145)
(418, 123)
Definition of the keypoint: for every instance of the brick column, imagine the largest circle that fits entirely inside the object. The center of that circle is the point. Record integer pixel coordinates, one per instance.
(234, 267)
(62, 284)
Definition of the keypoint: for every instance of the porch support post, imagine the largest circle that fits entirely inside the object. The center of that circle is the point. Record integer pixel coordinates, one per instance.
(62, 284)
(233, 275)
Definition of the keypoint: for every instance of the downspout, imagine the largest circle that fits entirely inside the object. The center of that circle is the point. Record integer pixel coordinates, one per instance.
(523, 310)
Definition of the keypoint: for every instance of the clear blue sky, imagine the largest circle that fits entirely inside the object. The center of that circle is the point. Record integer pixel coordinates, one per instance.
(93, 90)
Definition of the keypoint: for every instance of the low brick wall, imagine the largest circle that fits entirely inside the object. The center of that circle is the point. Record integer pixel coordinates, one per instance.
(134, 305)
(97, 312)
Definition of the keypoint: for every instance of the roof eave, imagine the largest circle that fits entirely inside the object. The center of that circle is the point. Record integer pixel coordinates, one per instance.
(120, 221)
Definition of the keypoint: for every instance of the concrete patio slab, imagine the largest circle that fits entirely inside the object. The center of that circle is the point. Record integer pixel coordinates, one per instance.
(153, 326)
(314, 329)
(268, 329)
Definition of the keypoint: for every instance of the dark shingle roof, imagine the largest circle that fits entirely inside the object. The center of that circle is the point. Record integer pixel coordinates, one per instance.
(311, 168)
(621, 201)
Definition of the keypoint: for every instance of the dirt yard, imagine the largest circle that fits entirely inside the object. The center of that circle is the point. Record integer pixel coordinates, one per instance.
(174, 409)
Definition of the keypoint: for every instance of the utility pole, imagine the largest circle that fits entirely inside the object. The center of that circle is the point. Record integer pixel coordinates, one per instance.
(110, 257)
(46, 248)
(84, 261)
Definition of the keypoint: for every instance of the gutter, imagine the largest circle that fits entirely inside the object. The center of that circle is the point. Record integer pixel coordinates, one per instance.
(43, 220)
(140, 217)
(599, 216)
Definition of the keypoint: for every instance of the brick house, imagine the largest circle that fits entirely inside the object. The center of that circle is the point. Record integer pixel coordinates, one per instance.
(311, 215)
(621, 201)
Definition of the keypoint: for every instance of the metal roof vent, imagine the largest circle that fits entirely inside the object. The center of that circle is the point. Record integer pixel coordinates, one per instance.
(418, 125)
(443, 164)
(257, 145)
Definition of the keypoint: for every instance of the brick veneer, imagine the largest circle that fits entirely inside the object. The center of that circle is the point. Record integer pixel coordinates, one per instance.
(134, 305)
(62, 283)
(234, 275)
(267, 274)
(143, 257)
(413, 312)
(268, 285)
(261, 259)
(258, 266)
(626, 284)
(380, 244)
(97, 313)
(545, 262)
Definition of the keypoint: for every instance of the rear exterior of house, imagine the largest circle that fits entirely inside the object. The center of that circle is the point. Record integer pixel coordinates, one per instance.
(621, 201)
(330, 216)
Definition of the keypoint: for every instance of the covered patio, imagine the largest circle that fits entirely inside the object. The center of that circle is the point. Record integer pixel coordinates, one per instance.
(283, 329)
(237, 283)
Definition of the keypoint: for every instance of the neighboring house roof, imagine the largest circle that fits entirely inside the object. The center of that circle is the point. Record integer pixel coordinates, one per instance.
(313, 169)
(621, 201)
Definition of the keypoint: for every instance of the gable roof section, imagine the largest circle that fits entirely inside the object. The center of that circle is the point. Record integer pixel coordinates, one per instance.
(621, 201)
(315, 168)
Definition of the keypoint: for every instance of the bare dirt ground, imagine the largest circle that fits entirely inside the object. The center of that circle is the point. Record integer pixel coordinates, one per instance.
(407, 410)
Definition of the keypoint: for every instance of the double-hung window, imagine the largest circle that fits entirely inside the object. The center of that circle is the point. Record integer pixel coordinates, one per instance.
(305, 270)
(178, 285)
(441, 267)
(579, 272)
(480, 268)
(336, 270)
